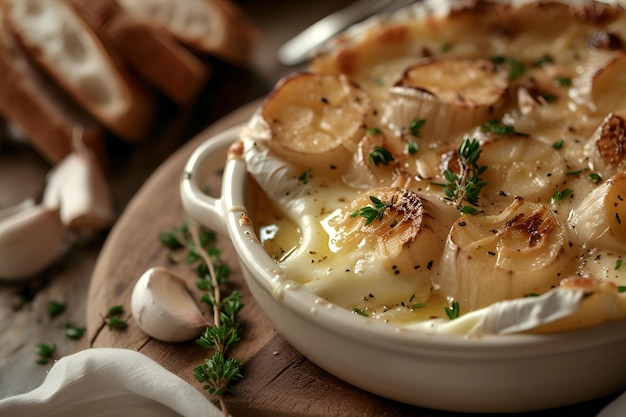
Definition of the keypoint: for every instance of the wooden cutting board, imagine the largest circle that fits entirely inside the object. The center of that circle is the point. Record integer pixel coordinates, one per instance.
(277, 381)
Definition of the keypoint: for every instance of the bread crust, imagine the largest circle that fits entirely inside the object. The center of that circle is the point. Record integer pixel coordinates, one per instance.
(74, 57)
(148, 49)
(212, 27)
(39, 108)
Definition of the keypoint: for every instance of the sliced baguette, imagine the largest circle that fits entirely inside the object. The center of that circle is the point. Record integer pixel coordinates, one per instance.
(39, 109)
(212, 27)
(147, 48)
(68, 50)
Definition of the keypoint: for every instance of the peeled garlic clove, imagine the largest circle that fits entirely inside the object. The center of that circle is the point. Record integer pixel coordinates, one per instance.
(606, 149)
(453, 95)
(164, 309)
(31, 239)
(600, 219)
(510, 255)
(78, 188)
(513, 167)
(383, 262)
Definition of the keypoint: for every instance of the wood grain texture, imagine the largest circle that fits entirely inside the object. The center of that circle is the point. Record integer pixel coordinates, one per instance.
(278, 381)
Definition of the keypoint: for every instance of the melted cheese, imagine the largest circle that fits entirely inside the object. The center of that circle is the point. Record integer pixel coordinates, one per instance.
(562, 70)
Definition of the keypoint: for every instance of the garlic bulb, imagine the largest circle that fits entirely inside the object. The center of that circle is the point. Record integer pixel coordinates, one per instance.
(600, 219)
(163, 308)
(521, 251)
(312, 121)
(383, 259)
(453, 95)
(31, 238)
(77, 187)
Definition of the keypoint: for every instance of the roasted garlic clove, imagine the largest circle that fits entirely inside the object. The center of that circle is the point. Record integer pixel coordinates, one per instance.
(519, 252)
(164, 309)
(600, 219)
(313, 120)
(452, 95)
(31, 239)
(78, 188)
(606, 149)
(387, 243)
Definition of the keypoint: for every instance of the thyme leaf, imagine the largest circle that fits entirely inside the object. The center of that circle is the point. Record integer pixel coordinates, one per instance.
(380, 155)
(415, 125)
(372, 213)
(453, 311)
(561, 195)
(495, 126)
(305, 176)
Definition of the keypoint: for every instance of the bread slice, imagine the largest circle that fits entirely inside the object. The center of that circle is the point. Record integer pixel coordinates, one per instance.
(147, 48)
(213, 27)
(38, 108)
(68, 50)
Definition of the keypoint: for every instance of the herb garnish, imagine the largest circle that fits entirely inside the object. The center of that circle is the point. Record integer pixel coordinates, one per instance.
(305, 176)
(563, 81)
(446, 47)
(55, 308)
(380, 155)
(621, 288)
(112, 319)
(372, 213)
(374, 131)
(359, 312)
(453, 311)
(594, 178)
(515, 68)
(45, 352)
(73, 332)
(415, 125)
(618, 264)
(218, 371)
(546, 59)
(495, 126)
(561, 195)
(558, 144)
(466, 185)
(412, 147)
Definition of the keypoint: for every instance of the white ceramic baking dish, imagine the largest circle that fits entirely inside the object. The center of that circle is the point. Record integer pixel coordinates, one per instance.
(489, 374)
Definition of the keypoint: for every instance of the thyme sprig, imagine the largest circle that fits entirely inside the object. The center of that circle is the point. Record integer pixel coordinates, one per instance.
(372, 213)
(465, 186)
(218, 371)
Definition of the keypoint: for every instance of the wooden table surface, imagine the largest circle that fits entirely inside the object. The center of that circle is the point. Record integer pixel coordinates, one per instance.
(278, 380)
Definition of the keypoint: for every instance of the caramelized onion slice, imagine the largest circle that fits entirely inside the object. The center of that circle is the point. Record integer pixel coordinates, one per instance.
(314, 120)
(522, 167)
(519, 252)
(606, 149)
(600, 219)
(453, 95)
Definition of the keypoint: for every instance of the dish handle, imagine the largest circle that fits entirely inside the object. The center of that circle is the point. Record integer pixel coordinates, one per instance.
(210, 156)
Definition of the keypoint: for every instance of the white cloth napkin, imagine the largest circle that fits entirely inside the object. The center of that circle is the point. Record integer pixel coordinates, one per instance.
(617, 408)
(110, 382)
